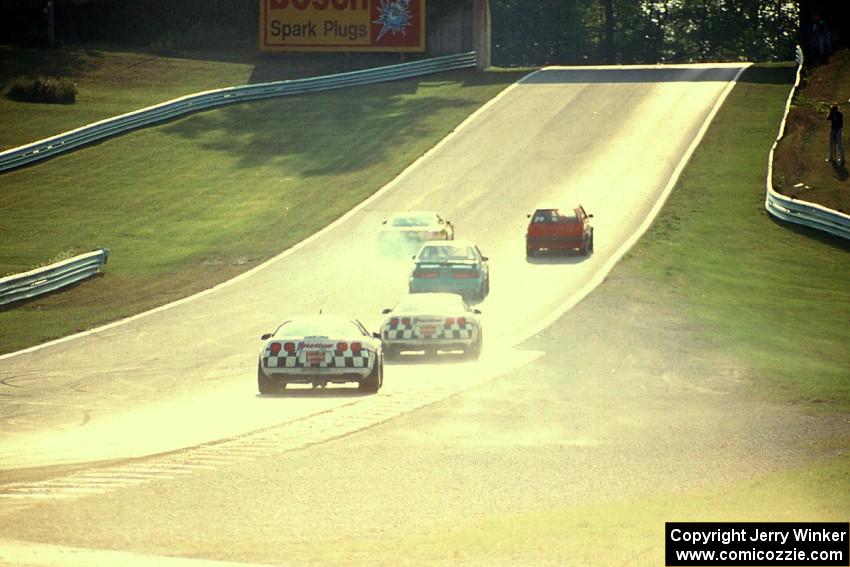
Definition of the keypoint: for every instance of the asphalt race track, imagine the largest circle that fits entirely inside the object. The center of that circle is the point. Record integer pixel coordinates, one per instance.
(185, 375)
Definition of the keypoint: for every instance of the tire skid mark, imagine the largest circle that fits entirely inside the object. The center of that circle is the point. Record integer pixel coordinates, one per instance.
(296, 435)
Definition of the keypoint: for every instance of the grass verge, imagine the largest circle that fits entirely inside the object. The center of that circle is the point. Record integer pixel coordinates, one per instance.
(772, 294)
(188, 204)
(619, 532)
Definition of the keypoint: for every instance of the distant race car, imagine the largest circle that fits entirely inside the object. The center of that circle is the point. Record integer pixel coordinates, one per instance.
(432, 322)
(454, 267)
(559, 230)
(411, 229)
(320, 349)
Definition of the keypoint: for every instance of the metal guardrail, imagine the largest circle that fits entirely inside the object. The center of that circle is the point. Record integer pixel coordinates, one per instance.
(49, 147)
(794, 210)
(49, 278)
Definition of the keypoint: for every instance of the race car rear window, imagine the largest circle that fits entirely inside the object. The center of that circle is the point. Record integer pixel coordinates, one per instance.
(318, 327)
(419, 302)
(554, 215)
(411, 221)
(446, 253)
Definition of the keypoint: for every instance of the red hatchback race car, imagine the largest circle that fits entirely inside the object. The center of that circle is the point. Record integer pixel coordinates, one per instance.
(562, 230)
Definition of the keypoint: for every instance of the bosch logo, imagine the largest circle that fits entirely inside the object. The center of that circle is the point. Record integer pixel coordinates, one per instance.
(320, 4)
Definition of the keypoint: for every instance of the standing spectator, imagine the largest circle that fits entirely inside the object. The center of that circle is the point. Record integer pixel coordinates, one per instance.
(822, 37)
(836, 146)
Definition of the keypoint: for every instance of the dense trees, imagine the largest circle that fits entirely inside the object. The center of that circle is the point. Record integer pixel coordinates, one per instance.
(642, 31)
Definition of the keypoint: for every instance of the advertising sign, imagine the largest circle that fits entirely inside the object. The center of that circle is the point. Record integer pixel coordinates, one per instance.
(342, 25)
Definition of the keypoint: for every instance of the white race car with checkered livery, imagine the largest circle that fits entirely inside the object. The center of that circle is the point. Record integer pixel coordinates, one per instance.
(433, 323)
(318, 350)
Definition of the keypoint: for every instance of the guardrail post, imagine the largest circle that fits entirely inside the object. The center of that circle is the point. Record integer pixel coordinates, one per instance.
(19, 287)
(482, 38)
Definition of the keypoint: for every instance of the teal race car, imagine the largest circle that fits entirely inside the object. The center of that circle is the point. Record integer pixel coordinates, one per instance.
(455, 267)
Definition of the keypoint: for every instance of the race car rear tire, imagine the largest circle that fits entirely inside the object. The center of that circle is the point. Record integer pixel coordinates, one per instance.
(482, 293)
(475, 350)
(373, 382)
(530, 251)
(264, 384)
(391, 352)
(587, 246)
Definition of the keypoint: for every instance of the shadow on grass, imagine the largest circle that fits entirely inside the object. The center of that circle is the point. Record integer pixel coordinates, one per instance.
(825, 238)
(285, 66)
(268, 67)
(769, 75)
(63, 63)
(326, 133)
(778, 75)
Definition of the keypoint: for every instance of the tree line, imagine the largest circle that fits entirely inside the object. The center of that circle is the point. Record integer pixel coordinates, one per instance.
(642, 31)
(524, 32)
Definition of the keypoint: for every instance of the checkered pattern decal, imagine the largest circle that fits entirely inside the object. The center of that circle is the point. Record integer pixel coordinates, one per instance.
(411, 328)
(298, 359)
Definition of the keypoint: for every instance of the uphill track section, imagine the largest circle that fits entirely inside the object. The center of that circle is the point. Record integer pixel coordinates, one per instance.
(184, 375)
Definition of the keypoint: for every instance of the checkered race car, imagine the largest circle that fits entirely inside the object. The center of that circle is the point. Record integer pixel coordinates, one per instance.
(318, 350)
(432, 322)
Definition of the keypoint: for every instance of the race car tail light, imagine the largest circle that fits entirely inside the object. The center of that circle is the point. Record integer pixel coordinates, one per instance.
(449, 322)
(461, 321)
(356, 348)
(341, 346)
(289, 347)
(274, 349)
(467, 275)
(425, 274)
(393, 322)
(405, 321)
